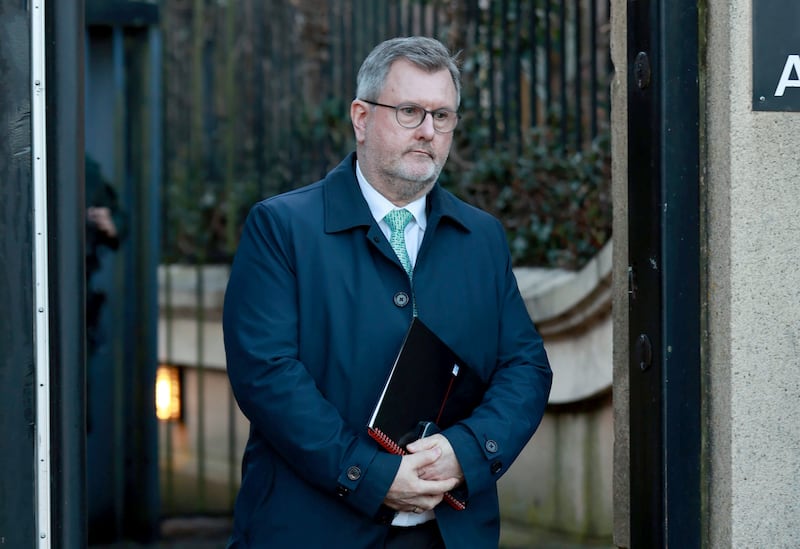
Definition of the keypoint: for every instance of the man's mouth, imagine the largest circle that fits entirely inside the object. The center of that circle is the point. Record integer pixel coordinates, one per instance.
(422, 151)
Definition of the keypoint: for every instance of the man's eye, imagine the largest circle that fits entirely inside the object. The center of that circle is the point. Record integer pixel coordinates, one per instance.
(409, 111)
(441, 115)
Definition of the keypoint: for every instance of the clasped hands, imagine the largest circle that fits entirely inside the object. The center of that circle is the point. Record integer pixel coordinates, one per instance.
(430, 469)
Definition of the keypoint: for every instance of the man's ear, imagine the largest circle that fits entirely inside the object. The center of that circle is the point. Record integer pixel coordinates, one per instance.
(358, 115)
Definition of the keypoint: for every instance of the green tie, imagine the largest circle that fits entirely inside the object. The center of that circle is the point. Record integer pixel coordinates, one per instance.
(397, 221)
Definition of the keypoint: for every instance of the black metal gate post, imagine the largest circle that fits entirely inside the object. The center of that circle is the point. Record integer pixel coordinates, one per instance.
(64, 53)
(41, 275)
(17, 407)
(664, 273)
(123, 137)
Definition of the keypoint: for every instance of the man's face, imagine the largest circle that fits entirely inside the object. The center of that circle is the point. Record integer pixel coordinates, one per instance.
(402, 163)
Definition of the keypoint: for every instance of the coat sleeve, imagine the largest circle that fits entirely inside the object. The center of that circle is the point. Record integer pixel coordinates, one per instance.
(489, 440)
(274, 389)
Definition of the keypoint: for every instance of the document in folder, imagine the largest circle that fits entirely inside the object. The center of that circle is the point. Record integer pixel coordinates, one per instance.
(428, 384)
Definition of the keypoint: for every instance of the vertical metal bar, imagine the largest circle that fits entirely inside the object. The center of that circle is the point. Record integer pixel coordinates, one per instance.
(644, 284)
(533, 38)
(200, 368)
(680, 210)
(578, 77)
(398, 20)
(329, 72)
(475, 18)
(435, 18)
(562, 57)
(18, 464)
(505, 81)
(166, 460)
(373, 24)
(66, 223)
(389, 20)
(290, 89)
(233, 463)
(517, 74)
(118, 377)
(344, 42)
(230, 141)
(262, 95)
(169, 481)
(198, 39)
(548, 61)
(593, 23)
(492, 85)
(137, 369)
(352, 32)
(197, 154)
(43, 465)
(664, 255)
(148, 498)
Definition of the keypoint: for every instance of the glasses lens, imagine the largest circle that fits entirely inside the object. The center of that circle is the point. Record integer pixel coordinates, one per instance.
(444, 121)
(410, 116)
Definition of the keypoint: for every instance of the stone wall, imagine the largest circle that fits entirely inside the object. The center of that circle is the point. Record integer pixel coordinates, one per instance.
(562, 481)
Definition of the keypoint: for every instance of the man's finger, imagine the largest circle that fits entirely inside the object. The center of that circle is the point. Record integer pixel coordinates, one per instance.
(435, 487)
(424, 458)
(424, 443)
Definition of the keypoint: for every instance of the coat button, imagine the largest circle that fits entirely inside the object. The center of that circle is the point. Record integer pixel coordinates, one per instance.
(491, 446)
(353, 473)
(496, 466)
(401, 299)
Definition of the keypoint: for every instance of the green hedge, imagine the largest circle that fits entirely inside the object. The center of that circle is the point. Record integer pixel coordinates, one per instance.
(555, 205)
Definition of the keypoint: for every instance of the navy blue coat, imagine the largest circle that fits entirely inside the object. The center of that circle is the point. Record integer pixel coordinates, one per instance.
(312, 326)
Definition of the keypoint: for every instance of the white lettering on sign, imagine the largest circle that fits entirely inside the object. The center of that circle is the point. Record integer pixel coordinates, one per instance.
(786, 81)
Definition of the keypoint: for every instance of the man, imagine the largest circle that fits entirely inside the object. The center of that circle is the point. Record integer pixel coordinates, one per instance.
(317, 307)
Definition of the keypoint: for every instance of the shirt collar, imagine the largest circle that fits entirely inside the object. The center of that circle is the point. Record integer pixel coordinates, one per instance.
(379, 205)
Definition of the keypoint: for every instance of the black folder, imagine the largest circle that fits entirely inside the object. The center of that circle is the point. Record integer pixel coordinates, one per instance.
(428, 386)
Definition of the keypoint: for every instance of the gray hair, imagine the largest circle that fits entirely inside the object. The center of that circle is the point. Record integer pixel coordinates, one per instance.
(426, 53)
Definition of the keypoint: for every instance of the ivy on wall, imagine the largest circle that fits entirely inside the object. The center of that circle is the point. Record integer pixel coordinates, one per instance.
(555, 204)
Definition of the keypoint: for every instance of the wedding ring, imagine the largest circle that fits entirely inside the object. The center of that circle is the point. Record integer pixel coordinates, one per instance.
(416, 510)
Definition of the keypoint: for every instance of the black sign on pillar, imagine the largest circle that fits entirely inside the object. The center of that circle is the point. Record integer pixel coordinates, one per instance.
(776, 55)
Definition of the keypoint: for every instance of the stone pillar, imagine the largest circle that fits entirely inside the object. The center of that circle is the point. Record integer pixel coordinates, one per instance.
(752, 313)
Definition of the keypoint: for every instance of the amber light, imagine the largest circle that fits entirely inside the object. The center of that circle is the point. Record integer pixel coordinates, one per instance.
(168, 393)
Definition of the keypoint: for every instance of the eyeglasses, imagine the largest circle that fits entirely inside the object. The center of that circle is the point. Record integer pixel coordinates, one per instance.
(412, 116)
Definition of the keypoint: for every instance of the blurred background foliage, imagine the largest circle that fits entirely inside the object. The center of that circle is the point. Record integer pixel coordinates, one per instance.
(257, 96)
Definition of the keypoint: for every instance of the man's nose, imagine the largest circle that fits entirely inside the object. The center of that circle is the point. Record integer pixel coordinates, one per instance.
(425, 130)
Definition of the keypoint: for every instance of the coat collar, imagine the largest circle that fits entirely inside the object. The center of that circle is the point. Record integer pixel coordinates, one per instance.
(345, 207)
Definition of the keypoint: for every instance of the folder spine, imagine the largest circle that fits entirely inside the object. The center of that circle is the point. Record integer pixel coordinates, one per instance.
(387, 443)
